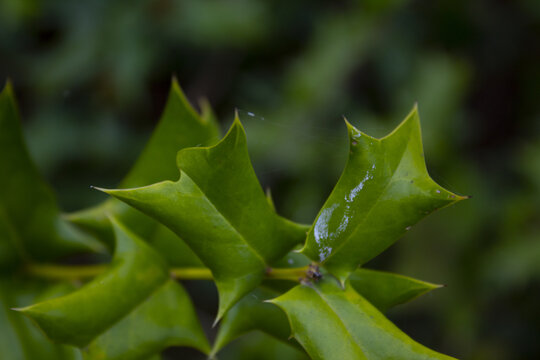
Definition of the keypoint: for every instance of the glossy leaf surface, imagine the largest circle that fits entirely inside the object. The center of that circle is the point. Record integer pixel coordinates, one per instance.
(332, 323)
(180, 126)
(30, 222)
(382, 289)
(384, 189)
(218, 207)
(133, 297)
(385, 290)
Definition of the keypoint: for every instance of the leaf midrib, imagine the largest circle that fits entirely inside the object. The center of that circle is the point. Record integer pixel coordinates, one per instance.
(237, 231)
(336, 315)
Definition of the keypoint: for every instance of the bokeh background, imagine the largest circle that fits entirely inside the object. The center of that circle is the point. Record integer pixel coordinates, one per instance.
(92, 78)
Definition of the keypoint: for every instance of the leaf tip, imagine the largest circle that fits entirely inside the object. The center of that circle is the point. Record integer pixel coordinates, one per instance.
(107, 191)
(8, 87)
(27, 310)
(413, 113)
(174, 80)
(458, 198)
(269, 199)
(350, 127)
(216, 320)
(237, 124)
(207, 114)
(236, 129)
(225, 303)
(299, 251)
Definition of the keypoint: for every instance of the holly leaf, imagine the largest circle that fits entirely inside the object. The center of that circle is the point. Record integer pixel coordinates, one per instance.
(180, 126)
(385, 290)
(172, 248)
(166, 318)
(253, 313)
(335, 323)
(382, 289)
(220, 210)
(32, 228)
(20, 338)
(131, 311)
(384, 189)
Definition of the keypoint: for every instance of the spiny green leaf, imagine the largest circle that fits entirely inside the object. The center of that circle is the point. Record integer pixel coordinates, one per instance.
(166, 318)
(135, 273)
(180, 126)
(20, 338)
(218, 207)
(79, 317)
(132, 311)
(385, 290)
(252, 313)
(384, 189)
(335, 323)
(29, 215)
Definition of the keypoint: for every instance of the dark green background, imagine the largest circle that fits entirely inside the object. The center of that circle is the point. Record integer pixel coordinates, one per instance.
(92, 78)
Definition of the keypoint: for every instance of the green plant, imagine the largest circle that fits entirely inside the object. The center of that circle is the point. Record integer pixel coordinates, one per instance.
(214, 222)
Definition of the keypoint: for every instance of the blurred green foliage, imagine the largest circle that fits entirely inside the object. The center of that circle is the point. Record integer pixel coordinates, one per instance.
(92, 78)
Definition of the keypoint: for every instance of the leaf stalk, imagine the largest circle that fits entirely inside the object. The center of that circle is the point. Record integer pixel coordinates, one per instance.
(73, 272)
